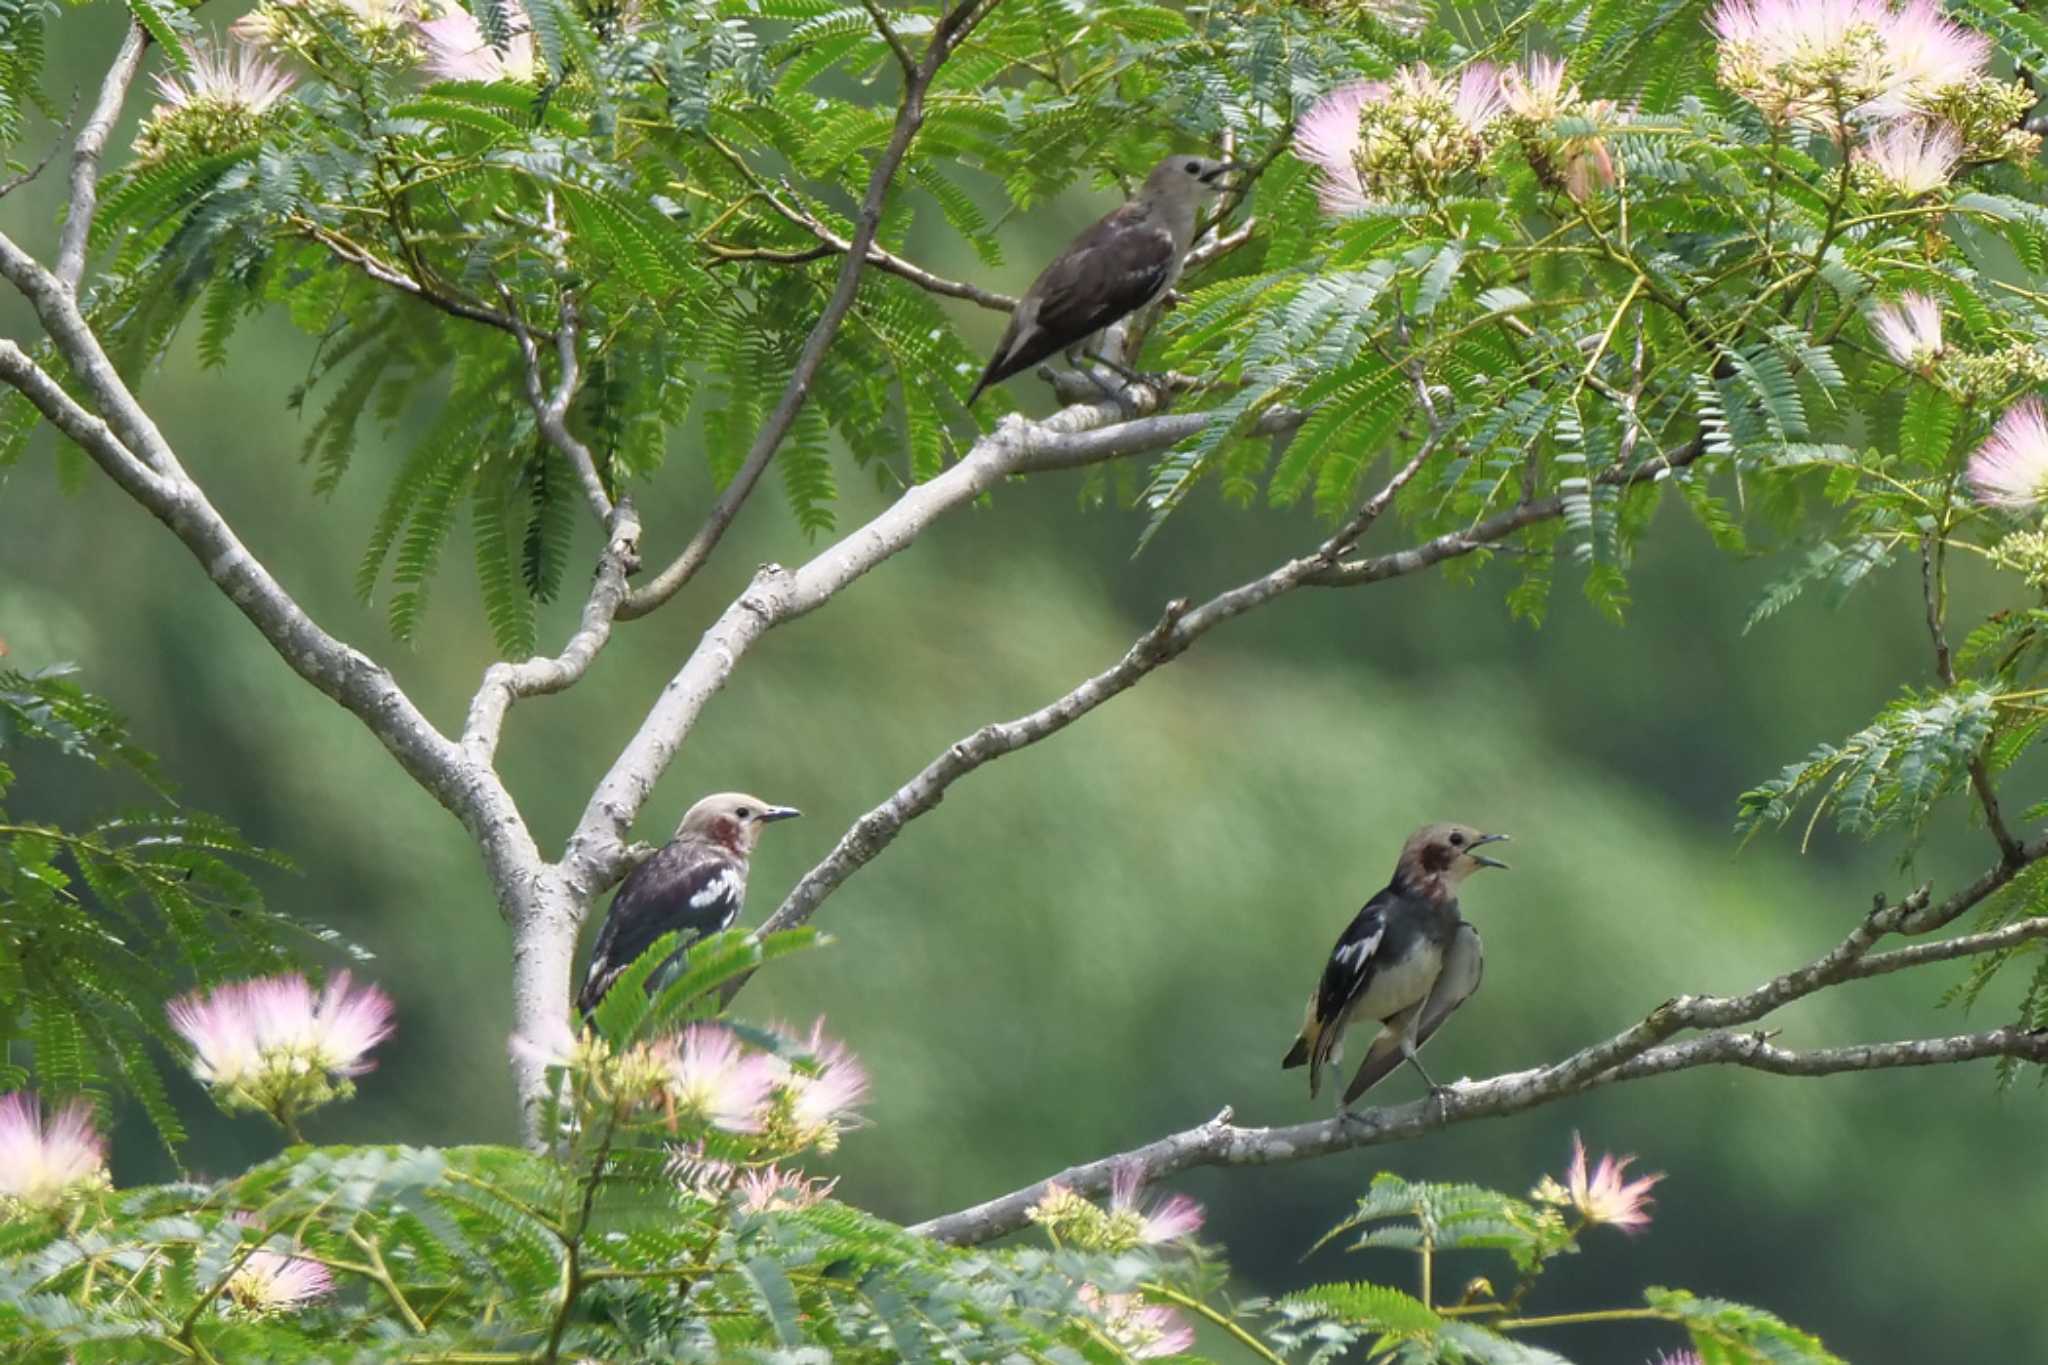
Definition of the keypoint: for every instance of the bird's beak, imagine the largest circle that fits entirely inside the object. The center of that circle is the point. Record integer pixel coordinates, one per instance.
(1481, 859)
(774, 813)
(1228, 167)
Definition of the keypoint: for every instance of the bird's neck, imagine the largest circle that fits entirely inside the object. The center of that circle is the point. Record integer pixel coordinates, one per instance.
(1433, 887)
(1179, 218)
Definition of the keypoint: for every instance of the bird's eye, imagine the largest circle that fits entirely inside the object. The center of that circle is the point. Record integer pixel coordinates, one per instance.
(1193, 168)
(1457, 841)
(745, 812)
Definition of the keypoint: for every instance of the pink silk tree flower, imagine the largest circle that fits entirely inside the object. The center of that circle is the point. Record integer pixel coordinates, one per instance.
(458, 51)
(43, 1162)
(1910, 157)
(1604, 1196)
(274, 1046)
(2010, 470)
(1910, 329)
(713, 1079)
(1167, 1220)
(1141, 1330)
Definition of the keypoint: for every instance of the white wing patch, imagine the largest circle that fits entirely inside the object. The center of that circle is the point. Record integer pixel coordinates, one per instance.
(1353, 955)
(725, 886)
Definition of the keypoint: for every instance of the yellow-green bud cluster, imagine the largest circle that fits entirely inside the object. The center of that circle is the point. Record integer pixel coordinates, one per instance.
(1986, 113)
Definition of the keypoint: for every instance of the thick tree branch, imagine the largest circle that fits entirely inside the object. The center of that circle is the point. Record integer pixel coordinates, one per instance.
(85, 157)
(1220, 1142)
(551, 410)
(506, 683)
(126, 444)
(951, 30)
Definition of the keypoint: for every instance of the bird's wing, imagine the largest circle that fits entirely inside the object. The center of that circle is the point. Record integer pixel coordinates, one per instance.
(1116, 266)
(1464, 963)
(689, 887)
(1345, 976)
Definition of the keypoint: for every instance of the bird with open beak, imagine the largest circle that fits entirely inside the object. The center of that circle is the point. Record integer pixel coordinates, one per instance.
(695, 884)
(1406, 962)
(1125, 261)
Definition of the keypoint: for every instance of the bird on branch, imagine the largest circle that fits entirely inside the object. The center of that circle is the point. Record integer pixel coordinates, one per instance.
(1128, 259)
(1405, 962)
(695, 884)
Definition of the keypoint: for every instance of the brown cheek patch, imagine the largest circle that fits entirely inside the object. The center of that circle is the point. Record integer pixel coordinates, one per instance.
(1436, 858)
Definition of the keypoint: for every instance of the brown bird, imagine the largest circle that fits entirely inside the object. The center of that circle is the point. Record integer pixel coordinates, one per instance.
(695, 884)
(1406, 962)
(1128, 259)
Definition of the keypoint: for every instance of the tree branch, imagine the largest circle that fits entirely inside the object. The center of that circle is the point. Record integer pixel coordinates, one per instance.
(85, 157)
(551, 410)
(1636, 1052)
(129, 448)
(384, 273)
(506, 683)
(909, 118)
(1934, 590)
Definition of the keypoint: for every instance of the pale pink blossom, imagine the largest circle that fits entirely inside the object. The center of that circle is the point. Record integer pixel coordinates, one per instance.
(1537, 90)
(231, 77)
(457, 49)
(2010, 470)
(1478, 101)
(1911, 156)
(1327, 138)
(1381, 139)
(1910, 329)
(44, 1161)
(1604, 1196)
(1929, 52)
(1824, 61)
(1141, 1330)
(714, 1079)
(1676, 1358)
(771, 1189)
(1166, 1220)
(824, 1099)
(272, 1282)
(277, 1023)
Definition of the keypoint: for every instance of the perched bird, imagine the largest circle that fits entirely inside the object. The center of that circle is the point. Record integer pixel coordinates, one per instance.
(694, 885)
(1125, 261)
(1405, 963)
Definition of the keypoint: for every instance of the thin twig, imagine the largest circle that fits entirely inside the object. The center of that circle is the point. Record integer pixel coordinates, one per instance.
(909, 118)
(85, 157)
(551, 410)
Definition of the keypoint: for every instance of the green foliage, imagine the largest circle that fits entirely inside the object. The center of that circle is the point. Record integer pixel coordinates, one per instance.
(1484, 1322)
(1887, 775)
(100, 926)
(487, 1249)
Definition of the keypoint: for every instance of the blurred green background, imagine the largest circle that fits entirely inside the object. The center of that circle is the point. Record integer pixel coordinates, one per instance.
(1110, 935)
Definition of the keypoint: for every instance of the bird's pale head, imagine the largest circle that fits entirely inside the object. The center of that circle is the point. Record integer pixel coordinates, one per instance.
(1443, 855)
(1189, 179)
(733, 819)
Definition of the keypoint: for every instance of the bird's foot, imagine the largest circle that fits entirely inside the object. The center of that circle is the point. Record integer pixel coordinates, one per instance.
(1440, 1097)
(1348, 1116)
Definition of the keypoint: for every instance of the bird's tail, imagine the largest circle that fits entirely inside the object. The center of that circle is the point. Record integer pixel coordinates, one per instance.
(1296, 1055)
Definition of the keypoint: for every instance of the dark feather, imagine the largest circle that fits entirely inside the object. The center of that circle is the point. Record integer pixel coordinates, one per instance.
(1464, 964)
(1345, 976)
(1114, 268)
(691, 886)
